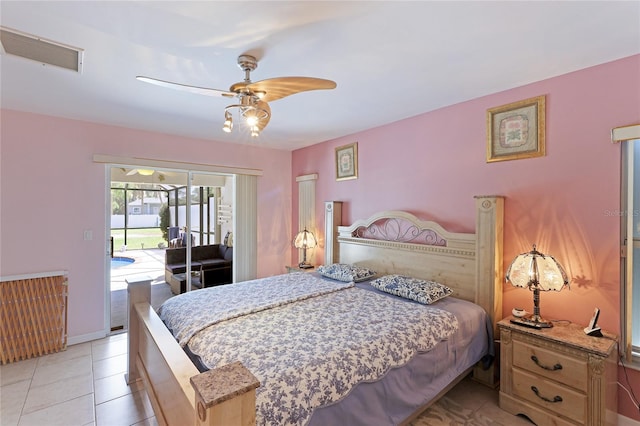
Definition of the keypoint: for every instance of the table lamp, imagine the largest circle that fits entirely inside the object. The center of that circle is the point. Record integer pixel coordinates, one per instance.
(537, 272)
(305, 240)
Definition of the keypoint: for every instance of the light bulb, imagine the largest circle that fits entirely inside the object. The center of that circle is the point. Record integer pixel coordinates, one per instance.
(228, 122)
(252, 120)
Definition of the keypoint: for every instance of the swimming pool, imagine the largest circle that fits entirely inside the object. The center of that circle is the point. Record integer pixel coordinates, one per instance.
(119, 261)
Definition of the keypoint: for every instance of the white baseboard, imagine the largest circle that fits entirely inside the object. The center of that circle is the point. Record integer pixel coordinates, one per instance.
(626, 421)
(86, 338)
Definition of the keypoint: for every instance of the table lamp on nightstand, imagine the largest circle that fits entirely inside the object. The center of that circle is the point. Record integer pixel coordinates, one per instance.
(537, 272)
(305, 240)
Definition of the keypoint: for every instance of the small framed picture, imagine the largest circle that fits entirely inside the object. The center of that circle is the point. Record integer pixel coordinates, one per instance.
(347, 161)
(516, 130)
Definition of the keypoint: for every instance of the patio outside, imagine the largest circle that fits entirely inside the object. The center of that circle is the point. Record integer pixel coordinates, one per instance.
(146, 262)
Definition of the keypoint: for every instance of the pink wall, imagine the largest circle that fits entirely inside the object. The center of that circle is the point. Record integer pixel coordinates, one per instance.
(433, 164)
(51, 191)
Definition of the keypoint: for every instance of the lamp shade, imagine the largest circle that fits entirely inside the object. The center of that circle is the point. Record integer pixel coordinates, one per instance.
(305, 240)
(537, 271)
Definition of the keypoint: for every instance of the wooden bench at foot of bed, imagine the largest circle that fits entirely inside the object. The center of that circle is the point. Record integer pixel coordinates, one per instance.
(222, 396)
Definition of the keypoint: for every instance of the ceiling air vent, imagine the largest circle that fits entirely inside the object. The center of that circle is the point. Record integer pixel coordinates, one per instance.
(46, 52)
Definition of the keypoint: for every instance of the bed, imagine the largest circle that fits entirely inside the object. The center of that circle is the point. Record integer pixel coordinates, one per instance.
(369, 383)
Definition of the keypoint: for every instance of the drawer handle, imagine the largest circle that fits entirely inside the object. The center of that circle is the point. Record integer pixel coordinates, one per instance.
(556, 398)
(554, 368)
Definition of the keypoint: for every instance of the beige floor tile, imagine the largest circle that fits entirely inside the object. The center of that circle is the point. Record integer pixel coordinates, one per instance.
(61, 370)
(40, 397)
(110, 339)
(79, 411)
(109, 349)
(110, 366)
(147, 422)
(72, 352)
(126, 410)
(17, 371)
(11, 401)
(112, 387)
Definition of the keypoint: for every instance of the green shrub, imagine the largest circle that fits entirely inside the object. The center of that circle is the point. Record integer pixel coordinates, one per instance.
(165, 221)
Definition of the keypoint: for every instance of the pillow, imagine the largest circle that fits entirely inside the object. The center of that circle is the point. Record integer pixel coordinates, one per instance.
(425, 292)
(346, 273)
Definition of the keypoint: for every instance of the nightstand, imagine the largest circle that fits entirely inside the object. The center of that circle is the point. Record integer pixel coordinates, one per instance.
(296, 268)
(558, 375)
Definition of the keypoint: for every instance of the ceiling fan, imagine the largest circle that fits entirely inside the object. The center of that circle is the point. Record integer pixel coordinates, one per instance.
(142, 172)
(253, 98)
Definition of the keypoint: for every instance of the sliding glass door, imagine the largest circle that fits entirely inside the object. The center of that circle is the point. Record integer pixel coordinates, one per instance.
(165, 224)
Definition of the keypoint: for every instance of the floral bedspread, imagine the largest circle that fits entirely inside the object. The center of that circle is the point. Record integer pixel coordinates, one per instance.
(190, 312)
(310, 353)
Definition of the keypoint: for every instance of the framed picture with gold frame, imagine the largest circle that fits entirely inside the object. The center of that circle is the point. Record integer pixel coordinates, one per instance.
(347, 161)
(516, 130)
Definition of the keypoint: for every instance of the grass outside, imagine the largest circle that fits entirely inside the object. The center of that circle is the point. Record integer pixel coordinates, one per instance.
(138, 239)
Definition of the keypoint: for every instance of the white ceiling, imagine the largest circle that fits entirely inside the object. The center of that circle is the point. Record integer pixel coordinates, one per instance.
(391, 60)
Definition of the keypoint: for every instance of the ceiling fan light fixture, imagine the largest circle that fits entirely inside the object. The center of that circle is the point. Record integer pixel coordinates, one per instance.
(254, 114)
(228, 122)
(251, 119)
(145, 172)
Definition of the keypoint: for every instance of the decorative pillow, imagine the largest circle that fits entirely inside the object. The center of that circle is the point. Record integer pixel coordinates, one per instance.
(425, 292)
(345, 272)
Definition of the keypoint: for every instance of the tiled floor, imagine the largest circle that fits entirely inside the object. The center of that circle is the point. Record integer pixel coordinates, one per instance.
(472, 400)
(83, 385)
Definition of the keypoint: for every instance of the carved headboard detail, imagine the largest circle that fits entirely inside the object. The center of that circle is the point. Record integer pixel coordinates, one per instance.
(400, 229)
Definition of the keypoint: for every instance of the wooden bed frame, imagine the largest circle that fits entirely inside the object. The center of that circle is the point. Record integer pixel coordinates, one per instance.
(469, 263)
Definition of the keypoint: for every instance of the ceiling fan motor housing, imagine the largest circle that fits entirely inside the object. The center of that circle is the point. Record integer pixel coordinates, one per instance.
(247, 63)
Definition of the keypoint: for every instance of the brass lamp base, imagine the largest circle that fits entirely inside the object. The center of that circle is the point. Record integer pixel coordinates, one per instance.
(532, 322)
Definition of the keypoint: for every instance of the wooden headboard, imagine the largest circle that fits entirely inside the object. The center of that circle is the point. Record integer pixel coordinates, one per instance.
(395, 242)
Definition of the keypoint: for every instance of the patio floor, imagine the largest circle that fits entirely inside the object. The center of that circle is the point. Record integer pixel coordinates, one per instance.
(147, 262)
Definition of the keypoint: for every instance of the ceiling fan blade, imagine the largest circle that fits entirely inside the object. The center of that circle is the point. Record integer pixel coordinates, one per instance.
(131, 172)
(280, 87)
(187, 88)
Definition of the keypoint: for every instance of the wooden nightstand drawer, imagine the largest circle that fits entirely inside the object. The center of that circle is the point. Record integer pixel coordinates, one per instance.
(551, 364)
(549, 395)
(559, 375)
